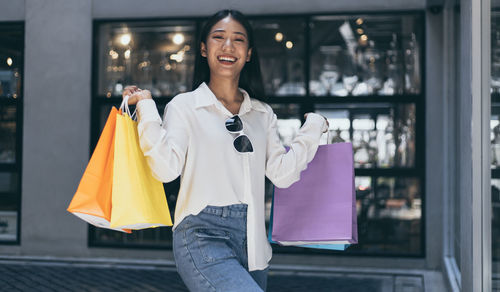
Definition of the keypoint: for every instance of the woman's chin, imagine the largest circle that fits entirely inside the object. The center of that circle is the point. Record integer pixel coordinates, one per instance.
(226, 72)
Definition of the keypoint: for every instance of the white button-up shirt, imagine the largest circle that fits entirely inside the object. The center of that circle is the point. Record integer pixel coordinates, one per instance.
(193, 142)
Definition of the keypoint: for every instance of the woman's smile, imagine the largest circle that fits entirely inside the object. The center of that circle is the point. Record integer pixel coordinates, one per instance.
(227, 60)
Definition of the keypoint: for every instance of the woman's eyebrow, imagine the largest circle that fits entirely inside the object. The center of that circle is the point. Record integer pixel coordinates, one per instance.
(236, 32)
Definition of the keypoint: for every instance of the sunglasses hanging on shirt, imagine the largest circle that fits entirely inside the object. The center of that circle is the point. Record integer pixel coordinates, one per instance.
(241, 143)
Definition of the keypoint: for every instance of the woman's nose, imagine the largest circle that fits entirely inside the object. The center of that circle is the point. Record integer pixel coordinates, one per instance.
(228, 44)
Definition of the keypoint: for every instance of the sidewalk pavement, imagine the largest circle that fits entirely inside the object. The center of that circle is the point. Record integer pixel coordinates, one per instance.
(66, 276)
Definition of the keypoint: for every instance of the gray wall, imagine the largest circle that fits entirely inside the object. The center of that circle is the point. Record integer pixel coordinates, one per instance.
(160, 8)
(57, 117)
(435, 136)
(11, 10)
(56, 122)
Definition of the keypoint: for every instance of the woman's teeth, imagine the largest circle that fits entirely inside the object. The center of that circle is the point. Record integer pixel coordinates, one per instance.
(227, 59)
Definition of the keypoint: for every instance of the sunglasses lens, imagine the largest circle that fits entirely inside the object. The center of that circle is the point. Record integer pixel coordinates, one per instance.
(243, 144)
(234, 124)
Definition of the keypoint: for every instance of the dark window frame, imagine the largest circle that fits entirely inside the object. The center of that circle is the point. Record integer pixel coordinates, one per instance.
(16, 167)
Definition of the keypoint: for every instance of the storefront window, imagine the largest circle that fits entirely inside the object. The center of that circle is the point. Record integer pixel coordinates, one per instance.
(11, 66)
(362, 72)
(154, 55)
(495, 137)
(365, 55)
(281, 47)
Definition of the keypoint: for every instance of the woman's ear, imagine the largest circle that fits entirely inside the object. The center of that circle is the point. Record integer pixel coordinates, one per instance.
(203, 49)
(249, 55)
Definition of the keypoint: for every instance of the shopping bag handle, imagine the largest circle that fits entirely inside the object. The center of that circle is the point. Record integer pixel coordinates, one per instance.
(125, 109)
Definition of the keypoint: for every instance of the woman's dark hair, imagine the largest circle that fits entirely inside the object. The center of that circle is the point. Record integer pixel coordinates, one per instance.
(250, 76)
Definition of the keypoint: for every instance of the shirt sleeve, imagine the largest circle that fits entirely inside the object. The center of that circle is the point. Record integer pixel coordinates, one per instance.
(164, 143)
(283, 168)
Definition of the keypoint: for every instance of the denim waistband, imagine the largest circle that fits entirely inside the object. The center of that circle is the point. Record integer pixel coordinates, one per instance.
(236, 210)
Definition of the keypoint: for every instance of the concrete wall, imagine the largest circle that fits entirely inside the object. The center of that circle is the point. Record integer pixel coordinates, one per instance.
(56, 125)
(57, 117)
(435, 135)
(160, 8)
(12, 10)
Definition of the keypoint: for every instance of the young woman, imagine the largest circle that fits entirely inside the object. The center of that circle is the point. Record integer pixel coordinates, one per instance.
(222, 139)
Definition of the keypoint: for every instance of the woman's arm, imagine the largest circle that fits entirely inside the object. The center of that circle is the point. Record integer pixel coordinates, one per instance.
(164, 143)
(284, 168)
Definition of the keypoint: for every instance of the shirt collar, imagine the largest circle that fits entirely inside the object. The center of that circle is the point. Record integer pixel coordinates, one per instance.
(205, 97)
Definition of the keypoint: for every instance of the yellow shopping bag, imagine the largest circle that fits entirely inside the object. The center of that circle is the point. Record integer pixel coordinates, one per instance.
(138, 199)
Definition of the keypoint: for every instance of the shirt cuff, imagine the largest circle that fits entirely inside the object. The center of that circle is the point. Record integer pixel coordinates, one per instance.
(147, 111)
(317, 119)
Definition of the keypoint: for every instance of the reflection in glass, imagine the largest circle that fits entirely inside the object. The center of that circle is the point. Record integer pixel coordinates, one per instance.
(282, 65)
(382, 136)
(389, 214)
(495, 226)
(331, 72)
(8, 225)
(495, 140)
(395, 81)
(8, 134)
(11, 59)
(157, 56)
(8, 206)
(8, 184)
(378, 55)
(495, 62)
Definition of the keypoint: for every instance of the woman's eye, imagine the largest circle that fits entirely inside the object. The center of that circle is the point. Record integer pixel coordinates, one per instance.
(218, 37)
(240, 40)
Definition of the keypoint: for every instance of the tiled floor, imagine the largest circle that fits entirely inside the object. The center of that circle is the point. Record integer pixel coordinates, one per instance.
(67, 277)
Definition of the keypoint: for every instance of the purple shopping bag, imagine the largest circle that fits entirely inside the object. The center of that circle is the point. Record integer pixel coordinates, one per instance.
(320, 208)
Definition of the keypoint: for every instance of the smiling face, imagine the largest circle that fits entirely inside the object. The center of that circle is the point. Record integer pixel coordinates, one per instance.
(226, 48)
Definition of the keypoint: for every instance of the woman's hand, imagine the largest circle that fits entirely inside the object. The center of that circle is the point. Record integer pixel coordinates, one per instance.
(136, 94)
(328, 124)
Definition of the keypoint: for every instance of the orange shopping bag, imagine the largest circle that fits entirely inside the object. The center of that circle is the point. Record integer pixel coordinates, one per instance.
(92, 200)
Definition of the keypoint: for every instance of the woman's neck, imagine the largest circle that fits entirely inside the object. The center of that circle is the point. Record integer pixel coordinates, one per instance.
(225, 90)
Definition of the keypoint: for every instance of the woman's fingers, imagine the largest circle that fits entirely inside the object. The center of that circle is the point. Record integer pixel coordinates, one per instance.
(129, 90)
(135, 94)
(132, 92)
(139, 95)
(327, 123)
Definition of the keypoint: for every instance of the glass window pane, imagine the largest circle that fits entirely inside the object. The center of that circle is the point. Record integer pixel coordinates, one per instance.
(389, 215)
(11, 60)
(280, 45)
(8, 225)
(158, 56)
(383, 135)
(8, 119)
(495, 138)
(495, 135)
(8, 206)
(362, 55)
(8, 183)
(495, 238)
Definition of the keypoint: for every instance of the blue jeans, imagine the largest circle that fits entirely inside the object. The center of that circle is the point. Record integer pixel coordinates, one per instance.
(210, 251)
